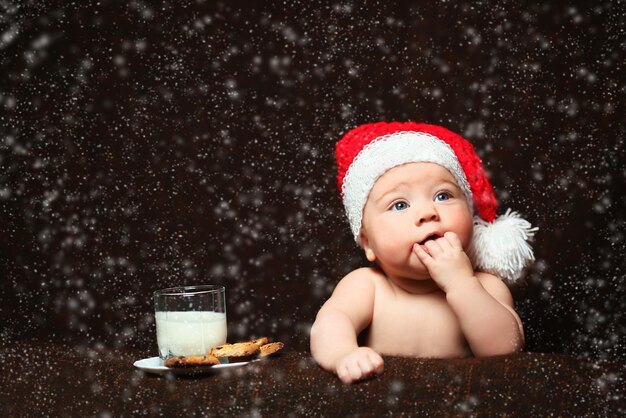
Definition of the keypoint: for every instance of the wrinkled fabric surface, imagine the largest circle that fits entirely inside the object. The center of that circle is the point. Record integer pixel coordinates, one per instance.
(54, 379)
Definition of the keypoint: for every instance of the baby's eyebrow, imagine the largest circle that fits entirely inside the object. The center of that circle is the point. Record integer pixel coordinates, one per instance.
(403, 184)
(395, 188)
(449, 182)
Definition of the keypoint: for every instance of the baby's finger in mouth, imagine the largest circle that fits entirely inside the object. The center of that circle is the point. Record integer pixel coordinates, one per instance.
(417, 247)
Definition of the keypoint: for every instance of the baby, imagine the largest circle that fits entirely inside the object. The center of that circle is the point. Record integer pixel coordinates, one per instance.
(421, 207)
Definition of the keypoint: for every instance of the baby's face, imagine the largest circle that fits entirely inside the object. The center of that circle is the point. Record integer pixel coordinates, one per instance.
(407, 205)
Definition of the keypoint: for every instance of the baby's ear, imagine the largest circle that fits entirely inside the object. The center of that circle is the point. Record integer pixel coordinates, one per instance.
(369, 253)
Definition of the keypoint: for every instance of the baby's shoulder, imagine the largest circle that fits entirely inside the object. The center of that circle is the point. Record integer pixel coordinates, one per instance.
(361, 277)
(496, 287)
(360, 274)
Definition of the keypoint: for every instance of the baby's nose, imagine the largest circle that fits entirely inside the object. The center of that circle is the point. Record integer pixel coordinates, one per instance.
(427, 214)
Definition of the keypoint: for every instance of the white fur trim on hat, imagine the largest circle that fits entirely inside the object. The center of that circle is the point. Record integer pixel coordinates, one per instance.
(387, 152)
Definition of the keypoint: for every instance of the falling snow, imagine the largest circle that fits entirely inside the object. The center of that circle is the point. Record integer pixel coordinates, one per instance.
(151, 145)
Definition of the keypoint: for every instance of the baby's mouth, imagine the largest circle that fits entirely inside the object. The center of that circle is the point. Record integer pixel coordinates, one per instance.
(430, 237)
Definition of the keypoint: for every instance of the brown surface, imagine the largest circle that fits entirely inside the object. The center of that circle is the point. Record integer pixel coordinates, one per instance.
(57, 380)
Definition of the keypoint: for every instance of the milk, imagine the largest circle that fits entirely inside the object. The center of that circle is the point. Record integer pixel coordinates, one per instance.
(189, 333)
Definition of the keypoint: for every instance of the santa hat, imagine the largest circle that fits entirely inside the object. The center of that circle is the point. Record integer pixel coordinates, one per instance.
(499, 244)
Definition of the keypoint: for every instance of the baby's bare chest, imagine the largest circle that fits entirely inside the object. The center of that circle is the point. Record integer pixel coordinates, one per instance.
(411, 325)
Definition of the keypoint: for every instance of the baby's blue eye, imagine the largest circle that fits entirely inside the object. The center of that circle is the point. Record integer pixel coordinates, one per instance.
(441, 197)
(399, 206)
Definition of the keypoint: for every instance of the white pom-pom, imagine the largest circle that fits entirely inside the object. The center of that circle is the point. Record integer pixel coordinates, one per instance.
(502, 247)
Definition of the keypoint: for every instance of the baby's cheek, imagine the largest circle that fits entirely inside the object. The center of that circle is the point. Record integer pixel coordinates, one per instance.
(465, 235)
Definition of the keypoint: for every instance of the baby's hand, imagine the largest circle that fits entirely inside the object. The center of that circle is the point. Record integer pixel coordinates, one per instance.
(445, 260)
(359, 364)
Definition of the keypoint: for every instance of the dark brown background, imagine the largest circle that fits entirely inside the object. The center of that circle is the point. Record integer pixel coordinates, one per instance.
(151, 145)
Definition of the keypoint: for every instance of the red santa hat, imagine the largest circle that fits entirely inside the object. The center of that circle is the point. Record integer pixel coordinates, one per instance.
(499, 244)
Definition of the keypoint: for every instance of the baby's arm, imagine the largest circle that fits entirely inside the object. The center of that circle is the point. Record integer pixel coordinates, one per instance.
(484, 306)
(337, 325)
(481, 302)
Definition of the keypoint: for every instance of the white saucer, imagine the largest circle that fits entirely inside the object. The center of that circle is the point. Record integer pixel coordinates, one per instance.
(155, 365)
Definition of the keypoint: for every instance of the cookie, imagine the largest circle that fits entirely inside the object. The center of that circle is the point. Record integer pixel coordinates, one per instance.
(191, 361)
(260, 341)
(244, 349)
(269, 349)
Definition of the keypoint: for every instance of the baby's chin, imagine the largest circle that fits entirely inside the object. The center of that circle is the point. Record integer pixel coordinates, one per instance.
(421, 277)
(415, 273)
(418, 269)
(415, 284)
(412, 269)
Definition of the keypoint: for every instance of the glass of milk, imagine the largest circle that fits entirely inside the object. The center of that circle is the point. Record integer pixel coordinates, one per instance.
(190, 320)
